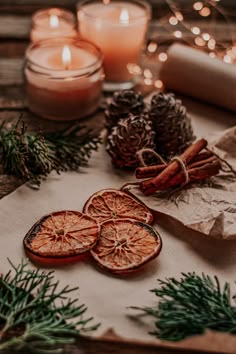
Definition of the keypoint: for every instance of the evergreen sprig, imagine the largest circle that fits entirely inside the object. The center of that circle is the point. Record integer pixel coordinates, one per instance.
(191, 305)
(37, 316)
(32, 156)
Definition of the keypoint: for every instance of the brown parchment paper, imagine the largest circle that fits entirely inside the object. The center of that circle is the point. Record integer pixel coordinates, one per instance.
(194, 73)
(208, 207)
(108, 297)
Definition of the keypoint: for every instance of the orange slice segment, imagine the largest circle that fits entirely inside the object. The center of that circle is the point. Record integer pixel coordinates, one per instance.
(125, 245)
(61, 237)
(113, 204)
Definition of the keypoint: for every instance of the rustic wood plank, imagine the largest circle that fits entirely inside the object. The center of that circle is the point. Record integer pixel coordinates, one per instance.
(94, 122)
(8, 184)
(28, 6)
(13, 48)
(18, 27)
(47, 3)
(227, 3)
(87, 346)
(12, 97)
(211, 342)
(33, 122)
(11, 72)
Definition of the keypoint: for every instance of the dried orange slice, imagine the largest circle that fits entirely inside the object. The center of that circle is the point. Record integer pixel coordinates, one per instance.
(125, 245)
(61, 237)
(113, 204)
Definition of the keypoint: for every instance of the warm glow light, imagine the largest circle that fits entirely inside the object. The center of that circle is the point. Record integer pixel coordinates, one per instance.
(66, 56)
(53, 21)
(199, 41)
(227, 59)
(158, 84)
(205, 11)
(179, 16)
(124, 16)
(106, 2)
(173, 20)
(195, 30)
(206, 36)
(178, 34)
(147, 73)
(211, 44)
(163, 57)
(134, 69)
(212, 55)
(198, 6)
(197, 35)
(152, 47)
(148, 82)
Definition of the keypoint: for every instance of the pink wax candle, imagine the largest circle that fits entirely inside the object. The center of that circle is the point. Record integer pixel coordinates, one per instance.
(63, 78)
(118, 28)
(52, 23)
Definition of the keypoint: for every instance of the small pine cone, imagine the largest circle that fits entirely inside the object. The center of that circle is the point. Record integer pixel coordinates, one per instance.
(174, 132)
(123, 103)
(127, 138)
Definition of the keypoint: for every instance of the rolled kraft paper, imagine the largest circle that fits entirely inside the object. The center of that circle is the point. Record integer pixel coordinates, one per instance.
(194, 73)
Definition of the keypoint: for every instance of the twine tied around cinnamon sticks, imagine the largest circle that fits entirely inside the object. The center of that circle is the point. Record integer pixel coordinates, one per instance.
(140, 155)
(141, 159)
(191, 166)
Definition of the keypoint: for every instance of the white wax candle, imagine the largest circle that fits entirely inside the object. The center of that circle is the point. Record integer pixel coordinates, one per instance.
(118, 29)
(52, 23)
(63, 82)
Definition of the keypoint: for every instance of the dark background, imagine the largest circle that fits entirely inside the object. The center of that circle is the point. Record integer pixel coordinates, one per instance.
(159, 6)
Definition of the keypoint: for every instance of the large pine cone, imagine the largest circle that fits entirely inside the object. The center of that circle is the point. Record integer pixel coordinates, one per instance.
(127, 138)
(123, 103)
(174, 132)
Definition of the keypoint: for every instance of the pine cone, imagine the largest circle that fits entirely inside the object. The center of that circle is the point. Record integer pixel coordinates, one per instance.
(123, 103)
(127, 138)
(174, 132)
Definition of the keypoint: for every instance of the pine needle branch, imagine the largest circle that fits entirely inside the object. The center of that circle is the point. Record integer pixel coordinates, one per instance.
(191, 305)
(36, 315)
(32, 156)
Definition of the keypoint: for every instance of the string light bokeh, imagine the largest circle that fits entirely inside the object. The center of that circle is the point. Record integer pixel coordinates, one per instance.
(199, 33)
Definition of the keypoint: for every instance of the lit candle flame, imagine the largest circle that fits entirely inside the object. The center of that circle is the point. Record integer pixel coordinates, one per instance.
(124, 16)
(54, 21)
(66, 56)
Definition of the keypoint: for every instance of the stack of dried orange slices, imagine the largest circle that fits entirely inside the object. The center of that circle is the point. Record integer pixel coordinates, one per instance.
(114, 228)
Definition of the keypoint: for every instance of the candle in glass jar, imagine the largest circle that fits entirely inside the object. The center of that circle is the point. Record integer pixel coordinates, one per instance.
(51, 23)
(118, 28)
(63, 78)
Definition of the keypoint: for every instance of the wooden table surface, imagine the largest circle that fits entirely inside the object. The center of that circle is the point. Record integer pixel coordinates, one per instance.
(15, 19)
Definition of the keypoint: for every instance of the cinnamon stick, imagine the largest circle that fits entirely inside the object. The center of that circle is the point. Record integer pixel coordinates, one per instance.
(202, 162)
(152, 171)
(159, 182)
(195, 174)
(149, 171)
(202, 156)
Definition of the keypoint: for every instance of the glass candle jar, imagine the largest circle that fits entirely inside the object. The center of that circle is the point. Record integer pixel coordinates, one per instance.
(63, 78)
(118, 28)
(51, 23)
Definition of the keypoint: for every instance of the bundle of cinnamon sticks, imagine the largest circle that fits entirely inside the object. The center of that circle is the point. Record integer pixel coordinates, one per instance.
(197, 166)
